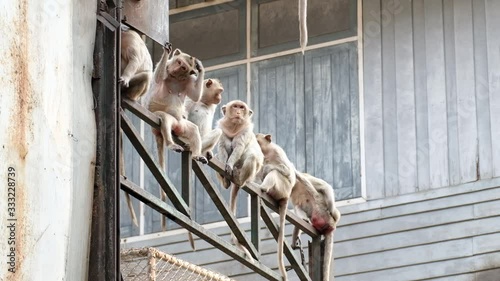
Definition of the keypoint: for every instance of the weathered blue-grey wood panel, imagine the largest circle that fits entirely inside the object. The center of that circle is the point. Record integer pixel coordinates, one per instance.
(310, 106)
(430, 94)
(332, 118)
(278, 102)
(492, 19)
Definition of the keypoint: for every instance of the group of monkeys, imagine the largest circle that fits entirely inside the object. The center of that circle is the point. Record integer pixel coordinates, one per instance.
(178, 93)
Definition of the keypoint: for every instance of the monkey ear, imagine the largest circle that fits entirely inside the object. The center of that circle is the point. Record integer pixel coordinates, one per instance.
(268, 138)
(250, 112)
(223, 110)
(209, 83)
(177, 52)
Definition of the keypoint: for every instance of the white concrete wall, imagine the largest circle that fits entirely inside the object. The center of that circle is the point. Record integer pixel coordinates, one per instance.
(47, 135)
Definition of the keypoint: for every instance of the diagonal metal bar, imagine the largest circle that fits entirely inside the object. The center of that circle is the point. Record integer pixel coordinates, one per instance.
(184, 221)
(141, 112)
(255, 220)
(274, 229)
(162, 179)
(221, 205)
(271, 203)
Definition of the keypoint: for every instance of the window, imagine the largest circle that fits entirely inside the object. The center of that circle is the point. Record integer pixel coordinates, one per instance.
(315, 96)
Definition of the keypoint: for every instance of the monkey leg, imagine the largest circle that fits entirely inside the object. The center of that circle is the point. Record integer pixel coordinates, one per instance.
(248, 170)
(209, 141)
(232, 199)
(232, 204)
(270, 181)
(138, 86)
(167, 124)
(296, 241)
(191, 134)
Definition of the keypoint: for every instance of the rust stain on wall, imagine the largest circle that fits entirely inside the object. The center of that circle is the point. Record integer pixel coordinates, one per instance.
(21, 124)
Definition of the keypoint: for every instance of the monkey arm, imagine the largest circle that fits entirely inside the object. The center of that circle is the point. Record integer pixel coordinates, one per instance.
(130, 69)
(160, 73)
(196, 90)
(281, 168)
(221, 149)
(239, 145)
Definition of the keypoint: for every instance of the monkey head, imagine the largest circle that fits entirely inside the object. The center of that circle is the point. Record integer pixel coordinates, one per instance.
(182, 65)
(237, 112)
(264, 141)
(212, 91)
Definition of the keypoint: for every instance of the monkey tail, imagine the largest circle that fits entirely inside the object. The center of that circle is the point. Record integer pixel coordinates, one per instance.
(281, 237)
(303, 24)
(328, 256)
(191, 241)
(131, 209)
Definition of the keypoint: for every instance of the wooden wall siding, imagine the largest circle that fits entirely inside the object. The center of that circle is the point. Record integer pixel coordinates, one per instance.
(453, 237)
(317, 120)
(431, 72)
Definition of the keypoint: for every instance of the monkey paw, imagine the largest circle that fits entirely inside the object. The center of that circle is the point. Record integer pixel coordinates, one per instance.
(176, 147)
(229, 170)
(209, 155)
(201, 159)
(199, 65)
(123, 81)
(167, 47)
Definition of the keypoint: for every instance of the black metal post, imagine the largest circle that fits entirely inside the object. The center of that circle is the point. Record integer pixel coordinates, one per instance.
(104, 241)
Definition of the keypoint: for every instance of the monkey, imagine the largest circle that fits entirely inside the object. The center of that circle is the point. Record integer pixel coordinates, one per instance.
(303, 24)
(136, 66)
(136, 73)
(238, 150)
(314, 200)
(201, 113)
(278, 178)
(176, 76)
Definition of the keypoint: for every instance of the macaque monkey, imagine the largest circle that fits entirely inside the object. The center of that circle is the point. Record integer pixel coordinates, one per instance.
(303, 24)
(278, 178)
(314, 200)
(176, 76)
(238, 150)
(201, 113)
(136, 74)
(136, 66)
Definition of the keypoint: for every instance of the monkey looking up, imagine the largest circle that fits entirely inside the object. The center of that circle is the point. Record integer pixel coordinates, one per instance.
(201, 113)
(278, 178)
(313, 199)
(238, 150)
(136, 73)
(175, 77)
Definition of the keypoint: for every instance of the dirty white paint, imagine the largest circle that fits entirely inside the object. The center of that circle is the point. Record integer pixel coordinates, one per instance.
(48, 136)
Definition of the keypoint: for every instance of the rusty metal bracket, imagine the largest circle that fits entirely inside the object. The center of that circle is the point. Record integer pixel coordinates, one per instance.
(108, 20)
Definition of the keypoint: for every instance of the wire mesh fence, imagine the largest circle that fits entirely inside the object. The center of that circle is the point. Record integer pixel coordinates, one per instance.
(149, 264)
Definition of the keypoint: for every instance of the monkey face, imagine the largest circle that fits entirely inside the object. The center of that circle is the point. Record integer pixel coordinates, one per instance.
(213, 91)
(237, 111)
(263, 140)
(182, 65)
